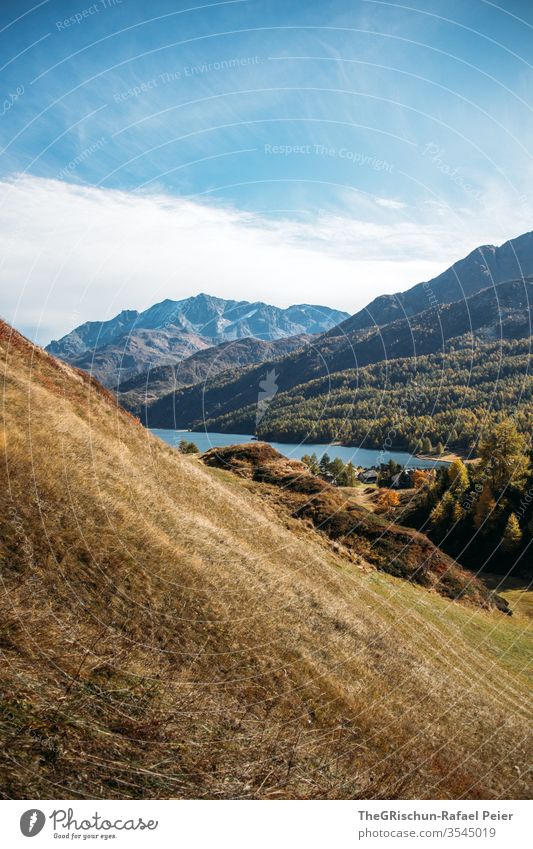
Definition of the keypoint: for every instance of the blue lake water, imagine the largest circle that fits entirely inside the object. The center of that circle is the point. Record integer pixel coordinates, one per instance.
(359, 456)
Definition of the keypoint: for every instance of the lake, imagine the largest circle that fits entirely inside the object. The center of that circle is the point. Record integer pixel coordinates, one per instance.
(365, 457)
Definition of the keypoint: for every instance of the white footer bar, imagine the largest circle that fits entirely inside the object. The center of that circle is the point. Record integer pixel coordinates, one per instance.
(267, 825)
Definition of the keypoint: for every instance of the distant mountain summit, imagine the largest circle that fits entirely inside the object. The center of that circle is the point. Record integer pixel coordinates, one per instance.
(167, 332)
(485, 266)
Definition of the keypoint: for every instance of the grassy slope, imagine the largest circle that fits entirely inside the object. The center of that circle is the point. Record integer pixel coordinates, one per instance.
(362, 536)
(518, 593)
(166, 633)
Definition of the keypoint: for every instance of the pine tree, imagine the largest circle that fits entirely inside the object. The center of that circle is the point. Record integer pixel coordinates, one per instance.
(348, 477)
(324, 465)
(336, 469)
(512, 535)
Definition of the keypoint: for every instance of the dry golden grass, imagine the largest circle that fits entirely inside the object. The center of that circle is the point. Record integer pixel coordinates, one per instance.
(518, 592)
(360, 534)
(167, 633)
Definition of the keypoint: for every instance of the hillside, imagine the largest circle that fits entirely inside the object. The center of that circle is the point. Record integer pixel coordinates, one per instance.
(393, 549)
(484, 267)
(131, 343)
(228, 402)
(169, 632)
(156, 383)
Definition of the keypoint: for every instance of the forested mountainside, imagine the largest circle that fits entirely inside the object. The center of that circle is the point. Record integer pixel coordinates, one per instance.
(169, 630)
(448, 398)
(434, 377)
(133, 343)
(147, 387)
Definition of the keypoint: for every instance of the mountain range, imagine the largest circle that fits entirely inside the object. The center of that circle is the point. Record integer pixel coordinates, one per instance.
(482, 315)
(132, 342)
(148, 356)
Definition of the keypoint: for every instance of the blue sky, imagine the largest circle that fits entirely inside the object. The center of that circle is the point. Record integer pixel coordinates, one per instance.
(283, 151)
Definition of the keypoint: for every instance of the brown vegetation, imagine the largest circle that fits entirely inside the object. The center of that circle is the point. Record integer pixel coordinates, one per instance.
(167, 633)
(399, 551)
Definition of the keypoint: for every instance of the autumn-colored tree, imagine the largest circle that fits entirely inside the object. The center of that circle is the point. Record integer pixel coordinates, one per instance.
(458, 512)
(485, 506)
(512, 535)
(503, 456)
(420, 478)
(387, 500)
(443, 510)
(457, 476)
(311, 461)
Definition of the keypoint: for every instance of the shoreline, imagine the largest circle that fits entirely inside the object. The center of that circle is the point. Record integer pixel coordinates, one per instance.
(447, 458)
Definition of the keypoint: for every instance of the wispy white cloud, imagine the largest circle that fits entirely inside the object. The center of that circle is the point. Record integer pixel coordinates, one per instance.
(389, 203)
(73, 253)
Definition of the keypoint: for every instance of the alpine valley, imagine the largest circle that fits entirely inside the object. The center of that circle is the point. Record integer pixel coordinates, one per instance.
(433, 364)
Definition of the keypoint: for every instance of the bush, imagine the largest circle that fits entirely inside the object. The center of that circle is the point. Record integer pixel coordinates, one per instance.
(188, 447)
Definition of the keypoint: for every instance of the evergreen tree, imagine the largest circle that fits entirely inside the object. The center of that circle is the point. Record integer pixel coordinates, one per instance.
(324, 465)
(349, 476)
(336, 469)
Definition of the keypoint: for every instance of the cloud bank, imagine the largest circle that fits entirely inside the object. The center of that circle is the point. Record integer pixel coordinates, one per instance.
(72, 253)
